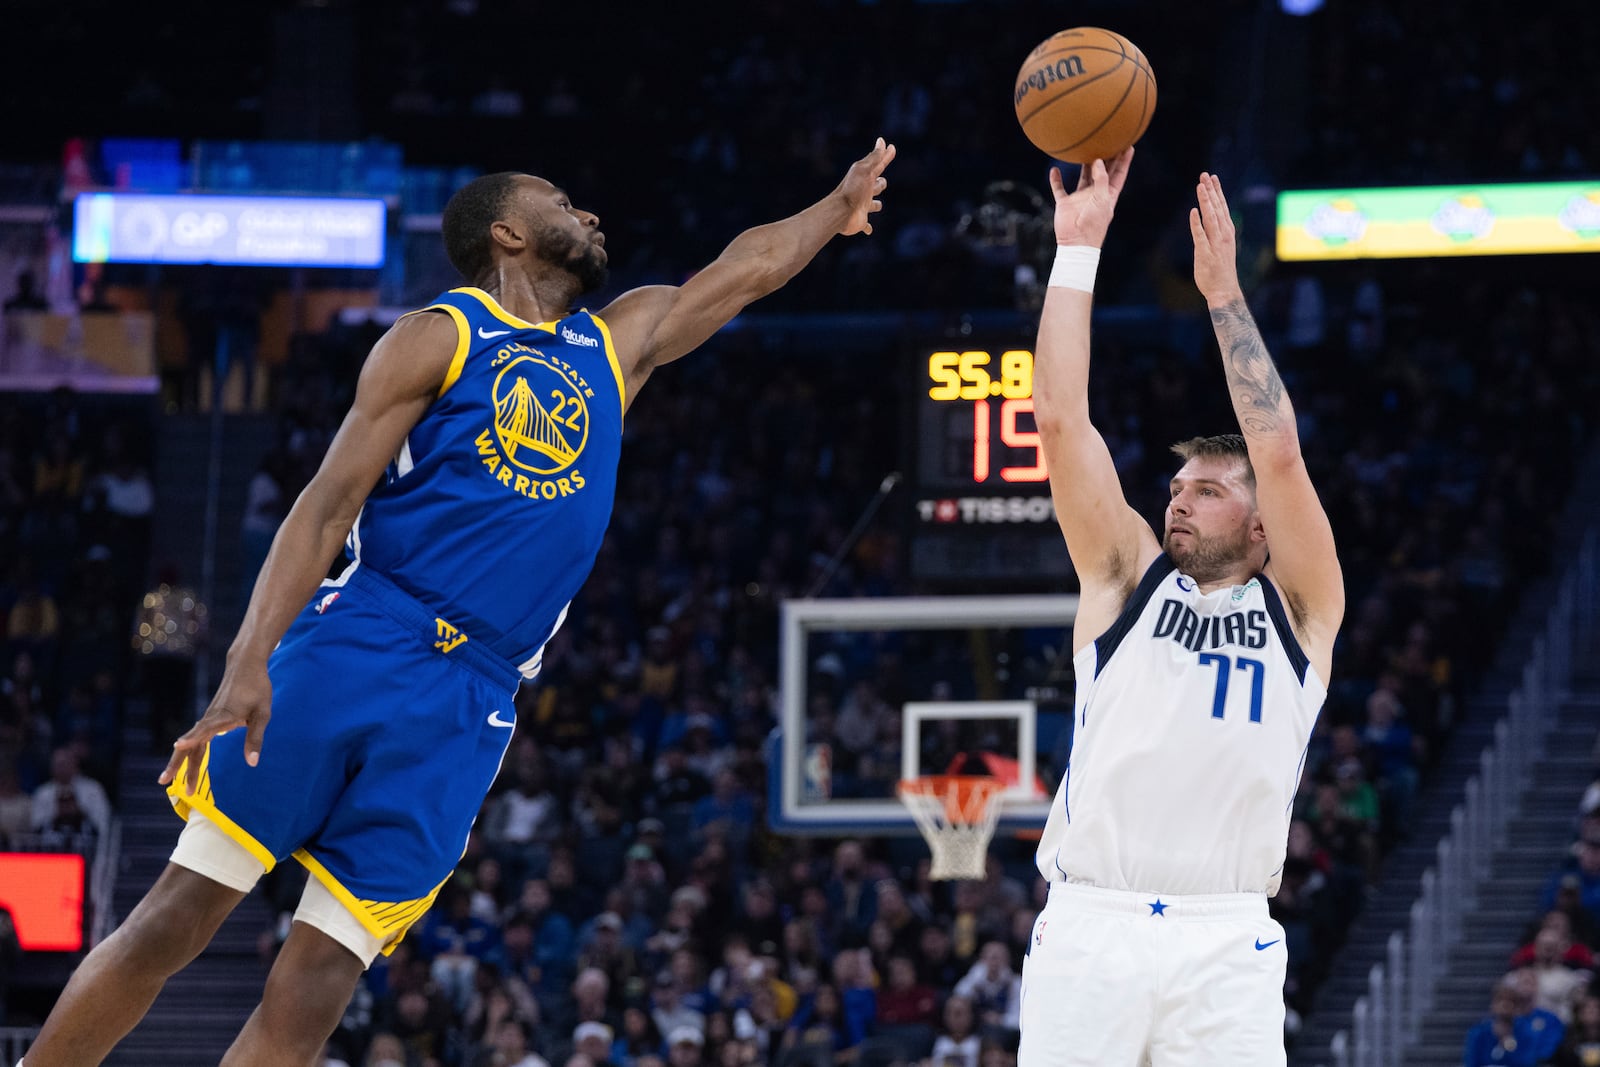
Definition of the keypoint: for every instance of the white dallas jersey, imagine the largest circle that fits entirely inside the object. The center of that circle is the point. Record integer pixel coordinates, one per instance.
(1192, 717)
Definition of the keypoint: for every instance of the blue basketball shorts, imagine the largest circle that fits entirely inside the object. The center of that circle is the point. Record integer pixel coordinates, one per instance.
(388, 727)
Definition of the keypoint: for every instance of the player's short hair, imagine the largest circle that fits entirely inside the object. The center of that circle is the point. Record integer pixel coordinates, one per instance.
(475, 207)
(1221, 446)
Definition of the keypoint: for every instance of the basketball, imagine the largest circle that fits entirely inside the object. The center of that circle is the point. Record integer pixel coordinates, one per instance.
(1085, 94)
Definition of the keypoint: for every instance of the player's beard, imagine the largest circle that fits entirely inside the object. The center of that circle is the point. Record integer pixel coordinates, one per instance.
(1209, 559)
(579, 257)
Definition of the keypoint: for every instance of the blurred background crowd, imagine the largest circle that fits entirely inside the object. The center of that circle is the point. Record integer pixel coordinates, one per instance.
(622, 900)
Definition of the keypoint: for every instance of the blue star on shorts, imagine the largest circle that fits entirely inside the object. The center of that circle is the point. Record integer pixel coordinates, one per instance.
(1158, 908)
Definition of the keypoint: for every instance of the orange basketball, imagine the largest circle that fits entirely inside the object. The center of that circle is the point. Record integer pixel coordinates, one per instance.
(1085, 94)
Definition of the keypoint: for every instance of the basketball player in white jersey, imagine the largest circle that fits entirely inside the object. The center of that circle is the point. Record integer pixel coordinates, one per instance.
(1201, 660)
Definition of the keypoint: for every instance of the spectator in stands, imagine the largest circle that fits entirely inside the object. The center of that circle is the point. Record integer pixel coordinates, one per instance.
(606, 951)
(1558, 984)
(421, 1022)
(1395, 751)
(639, 1037)
(685, 1047)
(16, 807)
(266, 502)
(593, 1040)
(957, 1044)
(895, 911)
(818, 1025)
(1587, 868)
(1581, 1046)
(1578, 954)
(1501, 1040)
(993, 987)
(1569, 902)
(524, 820)
(1543, 1027)
(677, 785)
(386, 1050)
(852, 899)
(856, 984)
(668, 1010)
(727, 812)
(537, 941)
(591, 999)
(513, 1042)
(936, 962)
(457, 941)
(70, 796)
(906, 1001)
(34, 621)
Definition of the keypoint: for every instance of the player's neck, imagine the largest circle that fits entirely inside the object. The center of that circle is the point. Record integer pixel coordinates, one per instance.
(1226, 582)
(542, 299)
(1211, 581)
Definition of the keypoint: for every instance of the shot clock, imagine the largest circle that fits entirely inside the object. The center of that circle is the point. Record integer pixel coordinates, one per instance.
(983, 512)
(994, 396)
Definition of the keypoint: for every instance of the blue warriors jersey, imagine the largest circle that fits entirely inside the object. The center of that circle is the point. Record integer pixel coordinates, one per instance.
(495, 507)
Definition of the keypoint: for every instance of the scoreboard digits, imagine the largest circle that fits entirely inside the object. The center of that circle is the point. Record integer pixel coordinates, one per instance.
(1001, 394)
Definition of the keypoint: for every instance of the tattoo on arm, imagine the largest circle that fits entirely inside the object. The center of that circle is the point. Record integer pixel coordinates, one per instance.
(1258, 396)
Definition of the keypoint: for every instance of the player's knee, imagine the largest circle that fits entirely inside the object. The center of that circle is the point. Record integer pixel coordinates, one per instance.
(308, 990)
(157, 937)
(174, 922)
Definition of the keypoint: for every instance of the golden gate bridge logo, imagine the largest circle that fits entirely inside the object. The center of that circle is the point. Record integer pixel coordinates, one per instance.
(539, 416)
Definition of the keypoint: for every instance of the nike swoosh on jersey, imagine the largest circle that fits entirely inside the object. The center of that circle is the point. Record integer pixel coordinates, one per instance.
(1260, 947)
(490, 335)
(496, 720)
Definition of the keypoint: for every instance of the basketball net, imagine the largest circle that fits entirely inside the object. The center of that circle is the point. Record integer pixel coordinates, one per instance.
(958, 814)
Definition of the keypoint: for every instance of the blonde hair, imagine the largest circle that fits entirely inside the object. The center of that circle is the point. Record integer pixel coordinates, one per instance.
(1221, 446)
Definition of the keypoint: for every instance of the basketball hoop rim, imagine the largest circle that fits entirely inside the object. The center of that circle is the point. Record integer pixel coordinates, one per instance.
(966, 798)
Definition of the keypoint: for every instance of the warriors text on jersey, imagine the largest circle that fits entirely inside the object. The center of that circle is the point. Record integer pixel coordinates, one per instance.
(1192, 716)
(494, 509)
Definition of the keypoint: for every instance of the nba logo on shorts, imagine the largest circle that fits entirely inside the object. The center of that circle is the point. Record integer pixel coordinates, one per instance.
(326, 602)
(1038, 932)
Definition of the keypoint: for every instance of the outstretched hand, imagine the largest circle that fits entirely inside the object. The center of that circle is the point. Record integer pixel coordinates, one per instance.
(1216, 269)
(243, 699)
(1084, 215)
(862, 185)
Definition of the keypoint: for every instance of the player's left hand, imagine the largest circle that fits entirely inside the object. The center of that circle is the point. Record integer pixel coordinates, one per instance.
(244, 698)
(863, 184)
(1216, 270)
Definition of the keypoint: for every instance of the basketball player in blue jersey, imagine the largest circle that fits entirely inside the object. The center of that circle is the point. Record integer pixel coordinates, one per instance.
(491, 424)
(1201, 662)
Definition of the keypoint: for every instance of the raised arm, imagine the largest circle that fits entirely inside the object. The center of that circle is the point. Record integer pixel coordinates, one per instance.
(1303, 561)
(657, 324)
(401, 378)
(1110, 544)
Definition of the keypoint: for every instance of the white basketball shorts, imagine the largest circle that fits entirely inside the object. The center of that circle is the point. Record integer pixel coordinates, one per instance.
(1122, 979)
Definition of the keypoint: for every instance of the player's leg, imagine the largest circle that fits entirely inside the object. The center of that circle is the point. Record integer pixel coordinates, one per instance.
(311, 982)
(1223, 998)
(119, 980)
(1087, 990)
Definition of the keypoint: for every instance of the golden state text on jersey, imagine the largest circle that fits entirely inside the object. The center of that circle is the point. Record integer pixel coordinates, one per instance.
(494, 509)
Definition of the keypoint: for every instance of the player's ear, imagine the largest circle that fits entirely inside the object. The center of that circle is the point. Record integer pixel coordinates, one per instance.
(509, 235)
(1258, 532)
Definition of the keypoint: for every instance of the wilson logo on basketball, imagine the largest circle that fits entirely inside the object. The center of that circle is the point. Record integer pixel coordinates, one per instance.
(1059, 71)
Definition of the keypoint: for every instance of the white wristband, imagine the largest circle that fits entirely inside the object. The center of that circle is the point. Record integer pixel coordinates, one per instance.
(1075, 267)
